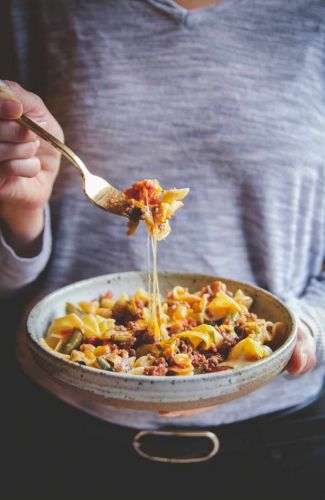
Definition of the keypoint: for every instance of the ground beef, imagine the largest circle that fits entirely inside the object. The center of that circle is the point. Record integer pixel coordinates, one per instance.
(146, 191)
(218, 286)
(199, 361)
(160, 361)
(146, 338)
(229, 338)
(96, 341)
(210, 352)
(241, 331)
(190, 323)
(213, 363)
(134, 327)
(112, 347)
(204, 364)
(214, 353)
(184, 348)
(122, 314)
(181, 326)
(156, 370)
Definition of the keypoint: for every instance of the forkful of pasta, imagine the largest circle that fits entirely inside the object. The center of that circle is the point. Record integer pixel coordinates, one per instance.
(144, 200)
(157, 206)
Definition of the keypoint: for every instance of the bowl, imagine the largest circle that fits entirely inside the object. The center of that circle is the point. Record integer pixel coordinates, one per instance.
(158, 393)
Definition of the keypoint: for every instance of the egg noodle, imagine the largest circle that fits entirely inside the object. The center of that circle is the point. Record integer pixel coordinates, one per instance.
(186, 333)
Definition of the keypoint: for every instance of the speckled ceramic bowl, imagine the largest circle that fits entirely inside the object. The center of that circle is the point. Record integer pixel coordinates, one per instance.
(158, 393)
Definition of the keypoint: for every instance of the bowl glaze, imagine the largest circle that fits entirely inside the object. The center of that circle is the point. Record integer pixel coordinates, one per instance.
(158, 393)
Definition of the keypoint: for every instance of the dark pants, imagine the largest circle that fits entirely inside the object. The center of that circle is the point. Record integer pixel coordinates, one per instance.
(53, 451)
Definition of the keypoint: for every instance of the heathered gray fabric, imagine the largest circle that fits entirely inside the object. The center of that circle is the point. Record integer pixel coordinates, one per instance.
(228, 100)
(16, 271)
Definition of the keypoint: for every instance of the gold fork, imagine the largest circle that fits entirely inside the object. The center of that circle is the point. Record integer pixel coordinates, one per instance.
(97, 190)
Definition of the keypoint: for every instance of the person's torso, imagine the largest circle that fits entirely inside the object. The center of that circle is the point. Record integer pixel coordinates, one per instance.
(228, 101)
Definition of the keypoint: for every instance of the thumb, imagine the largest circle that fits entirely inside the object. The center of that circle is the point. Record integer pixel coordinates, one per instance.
(15, 100)
(10, 107)
(186, 413)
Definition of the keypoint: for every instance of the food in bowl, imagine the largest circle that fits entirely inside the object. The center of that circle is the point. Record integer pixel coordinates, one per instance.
(206, 331)
(159, 393)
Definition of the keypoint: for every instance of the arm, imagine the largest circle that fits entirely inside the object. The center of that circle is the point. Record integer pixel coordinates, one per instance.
(28, 168)
(16, 271)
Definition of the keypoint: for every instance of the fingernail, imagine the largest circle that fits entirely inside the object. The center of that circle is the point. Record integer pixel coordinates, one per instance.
(37, 143)
(170, 414)
(42, 123)
(304, 359)
(10, 108)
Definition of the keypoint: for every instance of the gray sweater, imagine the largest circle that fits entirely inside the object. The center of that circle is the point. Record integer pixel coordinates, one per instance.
(228, 100)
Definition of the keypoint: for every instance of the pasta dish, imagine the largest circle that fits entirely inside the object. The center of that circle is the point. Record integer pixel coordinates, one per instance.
(202, 332)
(185, 333)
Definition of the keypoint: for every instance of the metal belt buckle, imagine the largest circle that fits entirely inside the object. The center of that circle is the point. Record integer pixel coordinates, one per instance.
(160, 440)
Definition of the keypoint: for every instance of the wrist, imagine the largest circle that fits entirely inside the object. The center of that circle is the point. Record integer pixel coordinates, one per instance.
(22, 229)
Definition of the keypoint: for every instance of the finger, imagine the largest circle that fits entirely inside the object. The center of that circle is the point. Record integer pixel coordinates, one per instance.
(11, 131)
(11, 151)
(173, 414)
(303, 357)
(185, 413)
(10, 108)
(31, 103)
(298, 361)
(22, 168)
(310, 363)
(302, 361)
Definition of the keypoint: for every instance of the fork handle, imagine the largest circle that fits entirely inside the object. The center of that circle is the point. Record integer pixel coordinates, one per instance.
(50, 139)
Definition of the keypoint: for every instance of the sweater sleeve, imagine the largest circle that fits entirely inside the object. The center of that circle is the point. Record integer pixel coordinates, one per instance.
(15, 271)
(310, 307)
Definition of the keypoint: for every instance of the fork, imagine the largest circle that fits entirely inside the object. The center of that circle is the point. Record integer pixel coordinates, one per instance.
(97, 190)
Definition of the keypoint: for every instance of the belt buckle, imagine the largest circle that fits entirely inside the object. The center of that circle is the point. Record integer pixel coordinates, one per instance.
(215, 445)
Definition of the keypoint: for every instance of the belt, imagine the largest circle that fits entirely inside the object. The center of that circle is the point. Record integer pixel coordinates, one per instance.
(295, 425)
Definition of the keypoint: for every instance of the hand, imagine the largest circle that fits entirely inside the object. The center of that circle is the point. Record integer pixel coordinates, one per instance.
(302, 360)
(186, 413)
(28, 166)
(303, 357)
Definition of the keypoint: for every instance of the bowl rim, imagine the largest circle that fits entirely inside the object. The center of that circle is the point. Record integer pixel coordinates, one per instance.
(37, 345)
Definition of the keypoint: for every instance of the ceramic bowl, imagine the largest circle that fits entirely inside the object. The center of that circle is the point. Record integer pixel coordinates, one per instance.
(158, 393)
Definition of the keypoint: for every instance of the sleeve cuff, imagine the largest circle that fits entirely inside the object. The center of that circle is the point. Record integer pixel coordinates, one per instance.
(16, 271)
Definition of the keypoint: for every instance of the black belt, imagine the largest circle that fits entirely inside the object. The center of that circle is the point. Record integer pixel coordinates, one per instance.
(296, 425)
